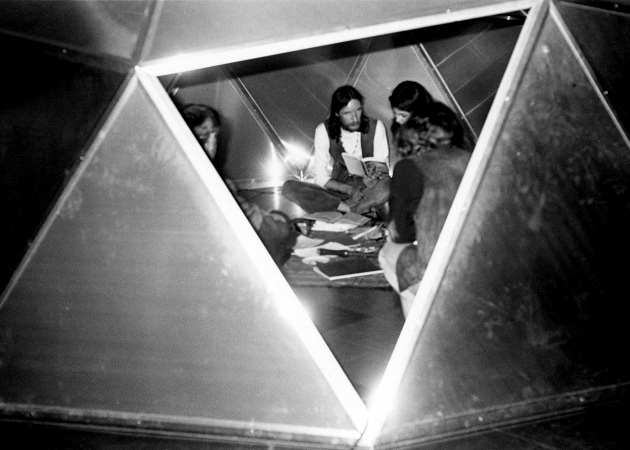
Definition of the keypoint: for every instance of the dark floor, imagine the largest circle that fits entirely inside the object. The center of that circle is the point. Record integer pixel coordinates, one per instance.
(360, 325)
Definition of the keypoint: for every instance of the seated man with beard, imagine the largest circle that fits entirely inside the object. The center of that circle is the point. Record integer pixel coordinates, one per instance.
(347, 129)
(423, 186)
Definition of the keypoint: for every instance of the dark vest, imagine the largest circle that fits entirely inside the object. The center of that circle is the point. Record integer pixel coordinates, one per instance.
(340, 172)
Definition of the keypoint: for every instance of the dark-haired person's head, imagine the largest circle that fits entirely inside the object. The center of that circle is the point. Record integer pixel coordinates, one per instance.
(438, 128)
(346, 111)
(407, 98)
(205, 123)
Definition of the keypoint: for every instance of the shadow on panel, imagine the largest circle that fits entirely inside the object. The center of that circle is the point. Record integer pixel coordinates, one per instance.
(603, 35)
(45, 124)
(101, 27)
(528, 317)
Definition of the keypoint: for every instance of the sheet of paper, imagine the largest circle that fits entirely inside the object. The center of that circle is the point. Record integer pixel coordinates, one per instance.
(323, 226)
(306, 242)
(312, 251)
(325, 216)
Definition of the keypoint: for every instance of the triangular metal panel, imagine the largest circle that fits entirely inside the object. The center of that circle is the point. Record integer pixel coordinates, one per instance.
(527, 319)
(602, 32)
(100, 27)
(470, 57)
(46, 123)
(142, 306)
(195, 34)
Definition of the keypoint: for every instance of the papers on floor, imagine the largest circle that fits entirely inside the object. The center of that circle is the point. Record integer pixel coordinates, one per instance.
(323, 226)
(324, 216)
(305, 242)
(347, 268)
(312, 251)
(336, 220)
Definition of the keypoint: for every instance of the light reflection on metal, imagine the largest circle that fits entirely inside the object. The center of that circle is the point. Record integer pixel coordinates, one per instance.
(380, 404)
(275, 167)
(276, 199)
(553, 11)
(298, 157)
(217, 57)
(285, 300)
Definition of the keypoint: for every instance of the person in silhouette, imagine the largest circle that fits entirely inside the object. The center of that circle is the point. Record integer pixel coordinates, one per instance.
(424, 183)
(275, 229)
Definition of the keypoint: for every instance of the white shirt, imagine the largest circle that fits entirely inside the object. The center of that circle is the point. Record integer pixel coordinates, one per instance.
(351, 142)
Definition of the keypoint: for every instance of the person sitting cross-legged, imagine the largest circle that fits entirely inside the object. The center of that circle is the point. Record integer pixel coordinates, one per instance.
(346, 130)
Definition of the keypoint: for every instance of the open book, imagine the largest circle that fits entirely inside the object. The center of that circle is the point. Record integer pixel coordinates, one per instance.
(357, 266)
(364, 167)
(348, 218)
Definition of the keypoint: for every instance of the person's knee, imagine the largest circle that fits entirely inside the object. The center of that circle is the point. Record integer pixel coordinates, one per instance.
(389, 268)
(386, 258)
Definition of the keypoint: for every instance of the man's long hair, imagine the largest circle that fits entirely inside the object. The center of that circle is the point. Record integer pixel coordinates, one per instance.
(340, 98)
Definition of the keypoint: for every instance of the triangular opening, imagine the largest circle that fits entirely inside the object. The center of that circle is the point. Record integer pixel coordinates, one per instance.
(273, 104)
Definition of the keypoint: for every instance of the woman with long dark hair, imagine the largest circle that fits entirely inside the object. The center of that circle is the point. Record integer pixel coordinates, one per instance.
(407, 98)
